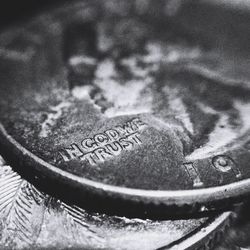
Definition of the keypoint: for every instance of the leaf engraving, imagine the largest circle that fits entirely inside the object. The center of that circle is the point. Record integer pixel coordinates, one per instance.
(83, 230)
(21, 210)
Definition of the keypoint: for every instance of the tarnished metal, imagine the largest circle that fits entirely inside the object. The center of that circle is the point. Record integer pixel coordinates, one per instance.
(129, 105)
(31, 219)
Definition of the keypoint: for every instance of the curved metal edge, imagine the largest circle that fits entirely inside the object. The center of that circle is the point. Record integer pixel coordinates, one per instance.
(175, 197)
(209, 235)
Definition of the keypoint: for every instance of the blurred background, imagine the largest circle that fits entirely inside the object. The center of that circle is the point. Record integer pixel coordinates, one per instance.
(11, 11)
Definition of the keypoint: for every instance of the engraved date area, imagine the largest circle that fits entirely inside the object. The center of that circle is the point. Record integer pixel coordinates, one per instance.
(106, 145)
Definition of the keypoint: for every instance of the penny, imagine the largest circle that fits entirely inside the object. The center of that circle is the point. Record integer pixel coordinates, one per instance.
(31, 219)
(127, 106)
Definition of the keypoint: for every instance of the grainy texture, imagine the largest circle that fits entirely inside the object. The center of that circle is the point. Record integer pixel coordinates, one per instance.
(166, 82)
(108, 96)
(238, 236)
(30, 219)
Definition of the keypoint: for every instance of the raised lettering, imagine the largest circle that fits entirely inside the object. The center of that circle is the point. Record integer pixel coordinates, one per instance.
(193, 174)
(126, 144)
(106, 145)
(90, 157)
(89, 143)
(102, 154)
(224, 163)
(71, 153)
(112, 134)
(135, 138)
(101, 139)
(115, 148)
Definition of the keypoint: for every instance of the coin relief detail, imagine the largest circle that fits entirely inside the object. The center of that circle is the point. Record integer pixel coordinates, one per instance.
(106, 145)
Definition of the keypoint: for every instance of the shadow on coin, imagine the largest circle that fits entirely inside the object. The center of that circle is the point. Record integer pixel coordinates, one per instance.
(237, 237)
(239, 234)
(15, 11)
(96, 203)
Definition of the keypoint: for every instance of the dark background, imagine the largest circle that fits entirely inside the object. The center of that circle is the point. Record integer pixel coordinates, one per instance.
(15, 10)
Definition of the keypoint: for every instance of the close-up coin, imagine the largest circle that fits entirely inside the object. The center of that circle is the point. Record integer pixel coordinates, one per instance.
(130, 103)
(125, 124)
(30, 219)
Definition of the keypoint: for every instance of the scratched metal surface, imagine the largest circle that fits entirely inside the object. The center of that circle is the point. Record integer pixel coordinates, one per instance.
(46, 215)
(30, 219)
(184, 136)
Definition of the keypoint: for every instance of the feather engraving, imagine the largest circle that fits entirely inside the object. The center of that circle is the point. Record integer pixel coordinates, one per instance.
(21, 210)
(26, 215)
(84, 231)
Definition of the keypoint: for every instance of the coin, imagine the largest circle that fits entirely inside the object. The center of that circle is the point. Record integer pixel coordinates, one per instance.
(127, 105)
(32, 219)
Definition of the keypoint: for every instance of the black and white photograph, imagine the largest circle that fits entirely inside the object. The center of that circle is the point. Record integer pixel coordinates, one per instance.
(125, 124)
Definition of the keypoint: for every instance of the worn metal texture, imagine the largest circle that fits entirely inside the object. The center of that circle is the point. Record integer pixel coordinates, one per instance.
(31, 219)
(130, 104)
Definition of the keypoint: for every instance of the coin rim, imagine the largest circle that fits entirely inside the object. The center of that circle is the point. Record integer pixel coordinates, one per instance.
(207, 235)
(190, 197)
(202, 235)
(163, 197)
